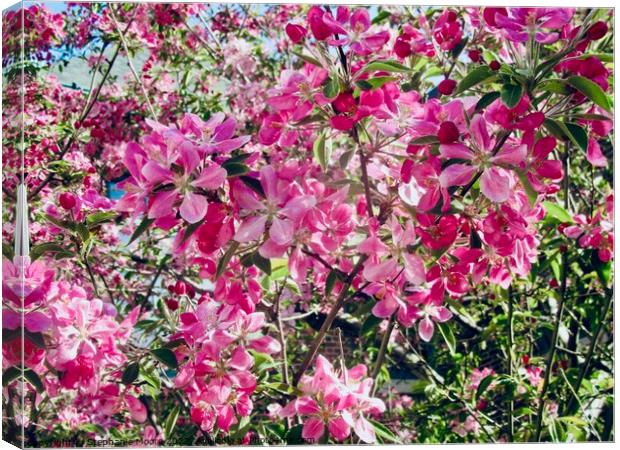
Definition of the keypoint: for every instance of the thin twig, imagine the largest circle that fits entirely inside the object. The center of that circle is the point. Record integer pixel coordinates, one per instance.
(121, 34)
(558, 316)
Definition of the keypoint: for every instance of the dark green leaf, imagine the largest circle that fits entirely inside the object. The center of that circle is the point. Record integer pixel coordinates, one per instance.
(330, 282)
(7, 251)
(35, 338)
(171, 422)
(425, 140)
(484, 384)
(146, 222)
(370, 324)
(578, 135)
(531, 193)
(446, 332)
(263, 264)
(511, 94)
(235, 169)
(322, 151)
(386, 66)
(34, 380)
(373, 83)
(222, 264)
(10, 374)
(384, 433)
(130, 374)
(293, 436)
(476, 76)
(381, 17)
(253, 184)
(331, 88)
(166, 356)
(591, 90)
(50, 247)
(191, 229)
(486, 100)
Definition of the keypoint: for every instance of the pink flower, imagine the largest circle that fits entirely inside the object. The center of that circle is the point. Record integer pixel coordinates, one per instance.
(283, 215)
(519, 23)
(447, 30)
(429, 310)
(335, 404)
(496, 182)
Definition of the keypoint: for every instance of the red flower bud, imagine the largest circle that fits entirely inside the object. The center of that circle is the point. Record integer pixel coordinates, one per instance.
(597, 31)
(526, 359)
(402, 48)
(296, 33)
(446, 87)
(180, 288)
(448, 133)
(474, 55)
(67, 200)
(172, 304)
(494, 65)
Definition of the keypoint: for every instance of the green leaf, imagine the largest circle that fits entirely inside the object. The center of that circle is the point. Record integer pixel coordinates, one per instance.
(10, 374)
(222, 264)
(531, 193)
(262, 263)
(166, 356)
(373, 83)
(383, 432)
(381, 17)
(486, 100)
(293, 436)
(330, 282)
(7, 251)
(425, 140)
(591, 90)
(100, 217)
(578, 135)
(253, 184)
(476, 76)
(34, 380)
(322, 150)
(557, 212)
(171, 422)
(191, 229)
(603, 269)
(130, 374)
(386, 66)
(50, 247)
(448, 336)
(307, 58)
(370, 324)
(331, 88)
(484, 384)
(235, 169)
(511, 94)
(146, 222)
(65, 224)
(35, 337)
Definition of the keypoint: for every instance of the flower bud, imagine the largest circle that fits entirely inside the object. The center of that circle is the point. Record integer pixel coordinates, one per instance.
(474, 55)
(494, 65)
(296, 33)
(67, 200)
(597, 31)
(180, 288)
(446, 87)
(448, 133)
